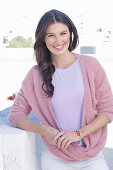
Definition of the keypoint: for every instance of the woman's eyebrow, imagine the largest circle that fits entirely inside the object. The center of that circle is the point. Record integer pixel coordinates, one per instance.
(53, 33)
(65, 31)
(48, 33)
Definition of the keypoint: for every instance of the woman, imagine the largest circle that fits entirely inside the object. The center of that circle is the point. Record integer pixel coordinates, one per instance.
(71, 96)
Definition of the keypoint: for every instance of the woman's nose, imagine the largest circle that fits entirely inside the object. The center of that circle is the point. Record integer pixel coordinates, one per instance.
(58, 39)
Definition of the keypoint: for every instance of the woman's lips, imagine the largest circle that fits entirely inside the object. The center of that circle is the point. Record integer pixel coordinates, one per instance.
(60, 47)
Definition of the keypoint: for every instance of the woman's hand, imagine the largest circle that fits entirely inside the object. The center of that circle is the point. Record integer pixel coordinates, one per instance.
(12, 97)
(65, 138)
(49, 133)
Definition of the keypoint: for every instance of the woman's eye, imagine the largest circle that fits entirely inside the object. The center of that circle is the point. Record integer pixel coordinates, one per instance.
(63, 33)
(50, 35)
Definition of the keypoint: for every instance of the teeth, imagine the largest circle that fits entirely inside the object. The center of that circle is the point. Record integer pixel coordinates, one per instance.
(59, 46)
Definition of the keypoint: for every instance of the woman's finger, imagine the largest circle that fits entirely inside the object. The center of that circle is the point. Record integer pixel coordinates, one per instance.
(60, 140)
(56, 137)
(67, 144)
(64, 142)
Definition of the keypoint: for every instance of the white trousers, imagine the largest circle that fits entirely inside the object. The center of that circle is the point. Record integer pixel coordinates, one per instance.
(51, 162)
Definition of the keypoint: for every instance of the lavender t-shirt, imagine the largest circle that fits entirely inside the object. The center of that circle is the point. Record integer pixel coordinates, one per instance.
(67, 100)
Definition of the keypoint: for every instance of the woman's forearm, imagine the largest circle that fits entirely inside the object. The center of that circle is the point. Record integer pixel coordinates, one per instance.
(95, 125)
(30, 126)
(47, 131)
(92, 127)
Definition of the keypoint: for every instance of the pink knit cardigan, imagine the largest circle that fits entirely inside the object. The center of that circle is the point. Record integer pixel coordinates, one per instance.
(98, 100)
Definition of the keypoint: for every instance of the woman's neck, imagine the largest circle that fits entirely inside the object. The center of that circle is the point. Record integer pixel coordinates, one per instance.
(63, 61)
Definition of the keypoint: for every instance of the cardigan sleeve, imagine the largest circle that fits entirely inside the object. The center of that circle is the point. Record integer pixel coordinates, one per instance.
(103, 92)
(21, 107)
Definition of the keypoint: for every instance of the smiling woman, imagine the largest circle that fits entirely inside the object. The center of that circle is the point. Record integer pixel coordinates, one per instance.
(71, 96)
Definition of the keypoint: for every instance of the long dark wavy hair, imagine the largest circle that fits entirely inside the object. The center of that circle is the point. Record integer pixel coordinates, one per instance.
(43, 55)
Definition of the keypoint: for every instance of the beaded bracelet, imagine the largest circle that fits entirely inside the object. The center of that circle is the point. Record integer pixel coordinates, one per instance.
(78, 133)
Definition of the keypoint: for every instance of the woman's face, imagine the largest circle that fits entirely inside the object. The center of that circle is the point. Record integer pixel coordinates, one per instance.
(57, 38)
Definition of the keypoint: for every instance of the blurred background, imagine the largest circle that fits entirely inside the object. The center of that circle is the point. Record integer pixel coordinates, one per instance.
(18, 21)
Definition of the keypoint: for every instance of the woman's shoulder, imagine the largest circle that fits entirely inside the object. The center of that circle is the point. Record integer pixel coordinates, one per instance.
(92, 65)
(34, 69)
(34, 72)
(89, 61)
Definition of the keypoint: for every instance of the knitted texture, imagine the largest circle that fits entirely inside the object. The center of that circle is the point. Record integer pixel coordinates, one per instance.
(98, 100)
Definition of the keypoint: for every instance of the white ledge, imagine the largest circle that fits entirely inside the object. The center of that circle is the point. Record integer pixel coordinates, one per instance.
(19, 149)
